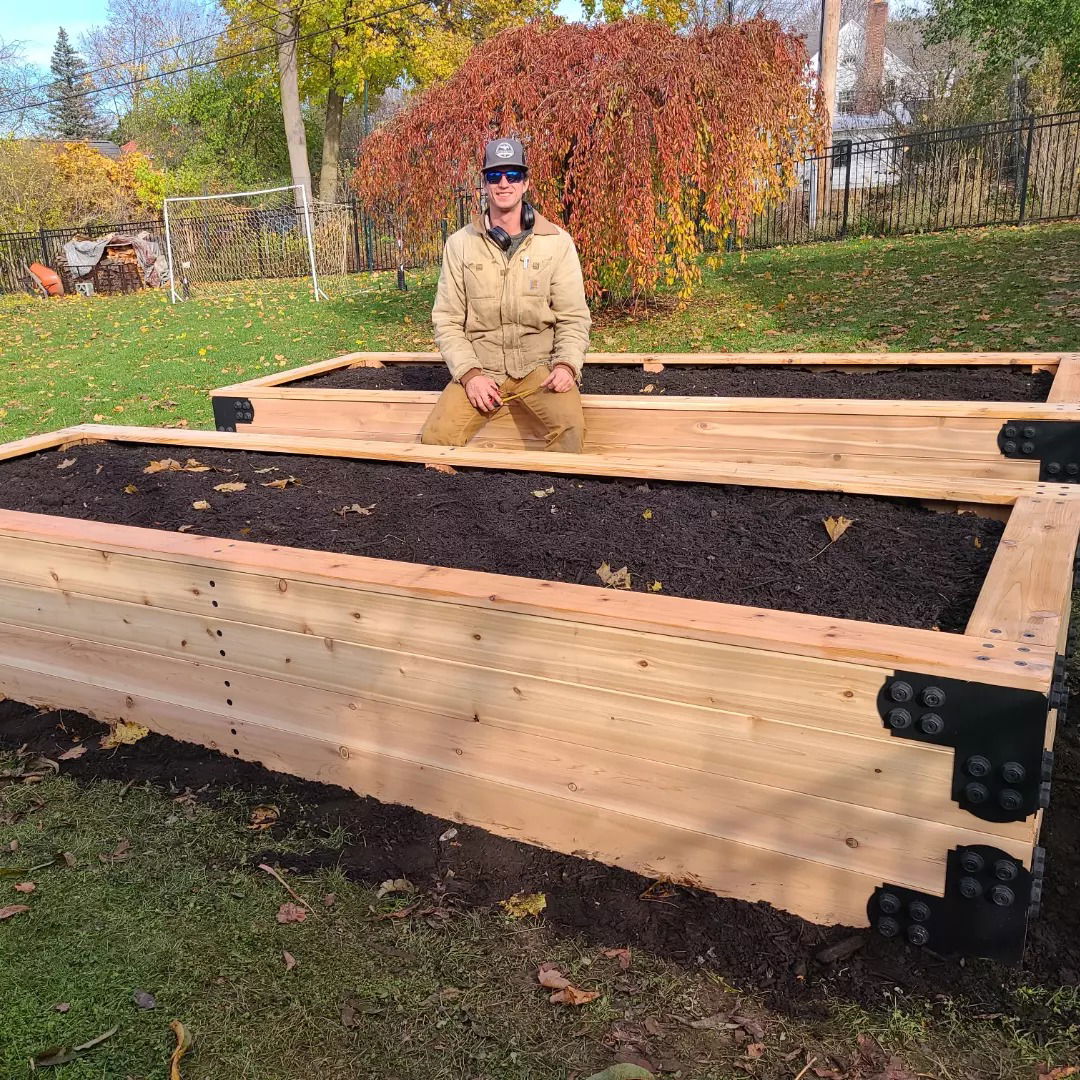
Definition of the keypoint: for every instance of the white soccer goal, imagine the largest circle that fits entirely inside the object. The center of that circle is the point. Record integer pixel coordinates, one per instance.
(241, 236)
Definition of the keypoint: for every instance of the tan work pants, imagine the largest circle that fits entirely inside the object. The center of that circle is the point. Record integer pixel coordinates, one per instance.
(454, 421)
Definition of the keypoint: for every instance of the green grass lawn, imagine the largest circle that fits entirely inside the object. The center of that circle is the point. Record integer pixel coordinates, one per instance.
(140, 360)
(183, 915)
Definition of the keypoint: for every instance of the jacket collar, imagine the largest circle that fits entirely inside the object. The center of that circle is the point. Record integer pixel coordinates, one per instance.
(541, 227)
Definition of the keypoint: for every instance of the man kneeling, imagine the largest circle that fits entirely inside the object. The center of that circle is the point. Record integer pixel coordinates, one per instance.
(510, 315)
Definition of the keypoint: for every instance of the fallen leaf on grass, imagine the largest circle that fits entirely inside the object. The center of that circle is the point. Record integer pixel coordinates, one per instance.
(200, 504)
(543, 494)
(716, 1022)
(1058, 1073)
(62, 1007)
(9, 910)
(550, 977)
(356, 508)
(63, 1055)
(164, 465)
(290, 960)
(24, 886)
(121, 854)
(264, 817)
(622, 955)
(122, 733)
(183, 1045)
(396, 885)
(234, 485)
(836, 527)
(283, 483)
(144, 1000)
(330, 899)
(522, 904)
(72, 754)
(615, 579)
(623, 1071)
(439, 467)
(66, 463)
(290, 913)
(754, 1050)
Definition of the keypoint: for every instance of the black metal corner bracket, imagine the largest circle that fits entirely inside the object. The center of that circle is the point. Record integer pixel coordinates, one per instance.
(1000, 770)
(989, 897)
(228, 412)
(1055, 444)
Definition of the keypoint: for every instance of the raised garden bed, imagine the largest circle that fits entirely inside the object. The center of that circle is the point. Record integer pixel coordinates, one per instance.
(751, 751)
(1011, 433)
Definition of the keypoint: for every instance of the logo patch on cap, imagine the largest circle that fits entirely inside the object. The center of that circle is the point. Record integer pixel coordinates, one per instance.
(504, 150)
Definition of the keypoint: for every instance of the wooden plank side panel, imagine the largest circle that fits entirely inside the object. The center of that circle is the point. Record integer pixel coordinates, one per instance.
(1066, 385)
(885, 846)
(359, 579)
(819, 893)
(34, 443)
(1028, 591)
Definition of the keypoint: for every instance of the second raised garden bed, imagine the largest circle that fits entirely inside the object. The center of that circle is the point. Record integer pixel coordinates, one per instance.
(847, 769)
(1019, 416)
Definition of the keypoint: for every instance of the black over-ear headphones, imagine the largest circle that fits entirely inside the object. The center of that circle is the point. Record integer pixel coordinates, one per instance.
(501, 237)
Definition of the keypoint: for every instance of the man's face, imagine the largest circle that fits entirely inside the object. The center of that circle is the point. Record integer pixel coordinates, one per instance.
(506, 187)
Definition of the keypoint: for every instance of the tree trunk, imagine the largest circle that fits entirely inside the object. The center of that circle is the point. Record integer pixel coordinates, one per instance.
(331, 146)
(287, 30)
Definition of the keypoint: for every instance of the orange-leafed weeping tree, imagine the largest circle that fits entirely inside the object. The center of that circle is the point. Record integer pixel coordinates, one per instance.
(641, 141)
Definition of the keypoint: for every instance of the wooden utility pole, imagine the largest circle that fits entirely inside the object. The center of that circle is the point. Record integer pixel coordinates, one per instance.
(828, 49)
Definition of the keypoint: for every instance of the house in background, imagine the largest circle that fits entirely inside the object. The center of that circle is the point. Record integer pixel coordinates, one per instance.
(102, 146)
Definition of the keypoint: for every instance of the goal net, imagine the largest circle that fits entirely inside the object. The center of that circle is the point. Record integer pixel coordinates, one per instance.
(246, 235)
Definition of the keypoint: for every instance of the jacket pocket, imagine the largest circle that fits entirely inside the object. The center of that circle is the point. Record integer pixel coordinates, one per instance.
(481, 281)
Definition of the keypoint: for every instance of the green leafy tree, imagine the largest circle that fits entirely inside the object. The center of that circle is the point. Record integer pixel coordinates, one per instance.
(71, 111)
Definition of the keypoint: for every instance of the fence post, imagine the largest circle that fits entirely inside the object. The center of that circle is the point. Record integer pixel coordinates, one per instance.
(44, 246)
(847, 187)
(1026, 168)
(355, 230)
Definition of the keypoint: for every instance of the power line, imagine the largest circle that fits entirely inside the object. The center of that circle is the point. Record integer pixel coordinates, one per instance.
(215, 60)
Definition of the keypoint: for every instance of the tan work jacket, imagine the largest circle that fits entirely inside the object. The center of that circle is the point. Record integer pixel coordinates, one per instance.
(508, 319)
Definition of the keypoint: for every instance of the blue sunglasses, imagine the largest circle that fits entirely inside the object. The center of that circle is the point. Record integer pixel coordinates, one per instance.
(514, 176)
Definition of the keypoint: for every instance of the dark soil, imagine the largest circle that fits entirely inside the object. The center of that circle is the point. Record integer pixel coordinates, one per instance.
(917, 384)
(898, 563)
(753, 946)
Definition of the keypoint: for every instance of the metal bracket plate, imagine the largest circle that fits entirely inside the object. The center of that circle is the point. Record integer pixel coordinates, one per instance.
(1000, 769)
(228, 412)
(989, 897)
(1055, 444)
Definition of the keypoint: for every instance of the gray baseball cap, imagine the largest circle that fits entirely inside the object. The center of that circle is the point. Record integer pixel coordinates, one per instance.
(504, 154)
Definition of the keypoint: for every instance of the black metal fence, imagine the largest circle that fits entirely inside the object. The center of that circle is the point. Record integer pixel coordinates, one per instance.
(1008, 172)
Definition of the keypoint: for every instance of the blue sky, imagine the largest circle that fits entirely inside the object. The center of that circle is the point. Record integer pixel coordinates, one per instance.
(35, 24)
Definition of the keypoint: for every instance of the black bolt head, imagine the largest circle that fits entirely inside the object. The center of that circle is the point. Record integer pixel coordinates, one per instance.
(971, 862)
(1011, 430)
(1012, 772)
(889, 903)
(1005, 870)
(1003, 896)
(932, 724)
(1053, 468)
(1010, 799)
(1027, 447)
(901, 691)
(933, 697)
(1029, 433)
(970, 888)
(977, 766)
(917, 934)
(899, 719)
(1010, 446)
(919, 910)
(976, 793)
(887, 927)
(1072, 468)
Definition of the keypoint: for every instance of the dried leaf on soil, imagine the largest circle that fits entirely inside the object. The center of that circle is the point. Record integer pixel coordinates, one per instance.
(144, 999)
(72, 754)
(396, 885)
(24, 886)
(522, 904)
(130, 489)
(233, 485)
(448, 835)
(356, 508)
(622, 955)
(66, 463)
(655, 586)
(614, 579)
(438, 466)
(164, 465)
(367, 362)
(290, 960)
(122, 733)
(836, 526)
(191, 465)
(183, 1045)
(653, 367)
(290, 913)
(647, 514)
(9, 910)
(550, 976)
(648, 388)
(64, 447)
(283, 483)
(543, 494)
(264, 817)
(754, 1050)
(200, 504)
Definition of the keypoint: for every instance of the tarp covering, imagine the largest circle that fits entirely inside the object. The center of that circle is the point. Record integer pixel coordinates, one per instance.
(83, 255)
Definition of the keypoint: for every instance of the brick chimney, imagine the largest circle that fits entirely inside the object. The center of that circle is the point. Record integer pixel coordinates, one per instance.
(872, 74)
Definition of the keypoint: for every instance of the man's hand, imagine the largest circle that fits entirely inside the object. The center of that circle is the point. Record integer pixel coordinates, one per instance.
(483, 393)
(560, 380)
